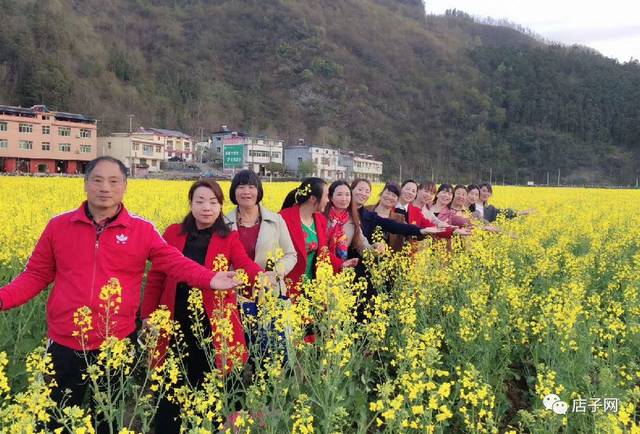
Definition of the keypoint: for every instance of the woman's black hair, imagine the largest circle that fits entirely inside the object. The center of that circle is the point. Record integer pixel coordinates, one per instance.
(311, 186)
(472, 187)
(392, 187)
(487, 185)
(442, 187)
(408, 181)
(245, 177)
(219, 227)
(457, 187)
(428, 185)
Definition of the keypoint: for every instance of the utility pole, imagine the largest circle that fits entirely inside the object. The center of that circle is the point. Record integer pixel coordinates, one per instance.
(490, 175)
(558, 177)
(270, 160)
(547, 177)
(131, 123)
(400, 172)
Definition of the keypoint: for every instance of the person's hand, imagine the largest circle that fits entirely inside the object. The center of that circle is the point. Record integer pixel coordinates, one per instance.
(432, 230)
(224, 280)
(379, 248)
(350, 263)
(463, 231)
(273, 278)
(526, 212)
(444, 225)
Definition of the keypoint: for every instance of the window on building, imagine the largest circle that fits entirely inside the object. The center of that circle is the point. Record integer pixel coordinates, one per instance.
(85, 149)
(154, 163)
(158, 148)
(135, 147)
(147, 149)
(46, 146)
(25, 128)
(3, 126)
(85, 133)
(64, 131)
(46, 129)
(45, 117)
(25, 145)
(64, 147)
(4, 143)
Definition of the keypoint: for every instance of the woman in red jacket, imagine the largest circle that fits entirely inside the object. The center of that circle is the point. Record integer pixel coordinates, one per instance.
(203, 236)
(302, 211)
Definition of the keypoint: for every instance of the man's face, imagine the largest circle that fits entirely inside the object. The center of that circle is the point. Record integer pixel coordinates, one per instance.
(105, 186)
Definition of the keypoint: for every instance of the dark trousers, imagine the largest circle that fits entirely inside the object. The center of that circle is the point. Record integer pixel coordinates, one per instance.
(70, 366)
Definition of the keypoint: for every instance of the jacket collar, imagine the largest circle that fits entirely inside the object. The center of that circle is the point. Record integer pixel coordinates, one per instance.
(266, 215)
(123, 219)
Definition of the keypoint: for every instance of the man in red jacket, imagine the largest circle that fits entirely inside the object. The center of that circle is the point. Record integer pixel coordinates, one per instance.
(80, 251)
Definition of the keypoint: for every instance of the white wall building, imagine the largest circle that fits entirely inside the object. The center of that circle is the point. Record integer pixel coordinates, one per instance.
(141, 151)
(361, 166)
(326, 161)
(257, 152)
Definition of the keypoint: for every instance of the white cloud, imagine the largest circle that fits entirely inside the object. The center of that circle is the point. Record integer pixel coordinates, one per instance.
(613, 28)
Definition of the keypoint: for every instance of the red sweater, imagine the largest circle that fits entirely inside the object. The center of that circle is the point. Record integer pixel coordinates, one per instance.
(292, 217)
(161, 289)
(70, 254)
(415, 217)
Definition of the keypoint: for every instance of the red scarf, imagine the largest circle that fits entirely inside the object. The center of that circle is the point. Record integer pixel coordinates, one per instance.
(335, 232)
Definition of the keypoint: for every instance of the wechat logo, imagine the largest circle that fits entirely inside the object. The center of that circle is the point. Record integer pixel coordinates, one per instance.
(554, 403)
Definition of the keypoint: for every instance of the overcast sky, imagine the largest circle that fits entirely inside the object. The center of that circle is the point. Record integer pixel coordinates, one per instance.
(612, 27)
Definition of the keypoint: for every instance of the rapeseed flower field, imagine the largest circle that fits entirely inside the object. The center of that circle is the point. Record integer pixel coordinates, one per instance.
(532, 329)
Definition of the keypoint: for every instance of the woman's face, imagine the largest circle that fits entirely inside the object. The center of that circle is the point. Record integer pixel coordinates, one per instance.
(460, 198)
(205, 207)
(246, 195)
(485, 194)
(472, 196)
(361, 193)
(408, 192)
(444, 197)
(388, 199)
(426, 196)
(322, 203)
(341, 197)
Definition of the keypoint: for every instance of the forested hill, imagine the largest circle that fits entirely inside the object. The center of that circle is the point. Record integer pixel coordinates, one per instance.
(443, 95)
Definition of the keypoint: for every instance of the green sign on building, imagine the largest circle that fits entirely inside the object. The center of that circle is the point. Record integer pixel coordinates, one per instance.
(232, 156)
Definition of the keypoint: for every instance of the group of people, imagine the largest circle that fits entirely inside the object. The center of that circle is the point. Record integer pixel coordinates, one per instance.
(79, 251)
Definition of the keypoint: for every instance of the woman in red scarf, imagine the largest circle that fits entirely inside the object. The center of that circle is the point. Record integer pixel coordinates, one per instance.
(343, 223)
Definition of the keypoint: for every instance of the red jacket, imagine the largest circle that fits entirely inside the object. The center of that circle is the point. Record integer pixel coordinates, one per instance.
(415, 217)
(70, 254)
(161, 289)
(292, 217)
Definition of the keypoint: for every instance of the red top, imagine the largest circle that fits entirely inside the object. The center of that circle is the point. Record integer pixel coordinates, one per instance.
(249, 238)
(415, 217)
(292, 217)
(161, 289)
(79, 263)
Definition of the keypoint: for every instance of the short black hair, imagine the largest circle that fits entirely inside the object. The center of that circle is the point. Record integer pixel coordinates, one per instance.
(487, 186)
(245, 177)
(392, 188)
(93, 163)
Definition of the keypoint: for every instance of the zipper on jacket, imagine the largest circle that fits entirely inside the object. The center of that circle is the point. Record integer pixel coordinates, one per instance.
(95, 260)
